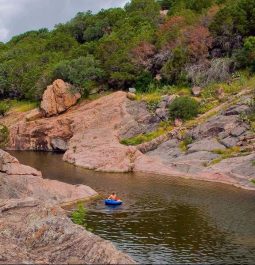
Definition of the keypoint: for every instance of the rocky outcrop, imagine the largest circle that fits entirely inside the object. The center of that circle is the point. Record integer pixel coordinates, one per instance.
(19, 182)
(41, 234)
(97, 134)
(90, 135)
(58, 97)
(204, 158)
(35, 229)
(90, 132)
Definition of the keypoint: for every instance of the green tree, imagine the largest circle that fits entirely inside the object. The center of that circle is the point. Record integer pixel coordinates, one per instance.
(81, 72)
(173, 70)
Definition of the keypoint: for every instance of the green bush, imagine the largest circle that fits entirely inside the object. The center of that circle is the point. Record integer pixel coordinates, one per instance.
(79, 215)
(4, 107)
(184, 108)
(143, 81)
(4, 135)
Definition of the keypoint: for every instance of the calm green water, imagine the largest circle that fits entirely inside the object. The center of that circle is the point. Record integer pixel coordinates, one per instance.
(164, 220)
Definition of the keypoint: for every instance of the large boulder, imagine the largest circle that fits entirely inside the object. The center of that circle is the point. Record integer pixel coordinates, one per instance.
(58, 97)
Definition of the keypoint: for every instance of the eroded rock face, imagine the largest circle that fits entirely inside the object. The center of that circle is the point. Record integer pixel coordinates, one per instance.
(90, 133)
(19, 182)
(58, 97)
(39, 233)
(41, 135)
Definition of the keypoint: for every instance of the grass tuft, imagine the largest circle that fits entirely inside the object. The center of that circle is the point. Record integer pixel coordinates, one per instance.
(163, 128)
(22, 106)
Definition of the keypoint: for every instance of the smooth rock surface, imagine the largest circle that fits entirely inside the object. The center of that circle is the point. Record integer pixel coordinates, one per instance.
(205, 145)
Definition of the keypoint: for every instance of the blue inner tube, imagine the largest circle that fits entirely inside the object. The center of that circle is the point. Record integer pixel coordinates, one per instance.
(112, 202)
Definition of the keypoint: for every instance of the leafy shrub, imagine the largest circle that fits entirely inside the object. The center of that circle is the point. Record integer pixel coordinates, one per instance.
(184, 108)
(143, 81)
(4, 135)
(4, 107)
(246, 56)
(79, 215)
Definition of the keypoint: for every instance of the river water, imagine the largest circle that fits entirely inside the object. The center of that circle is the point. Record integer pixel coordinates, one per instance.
(163, 220)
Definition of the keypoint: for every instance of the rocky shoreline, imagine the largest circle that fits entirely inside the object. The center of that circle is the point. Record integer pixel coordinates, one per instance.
(220, 147)
(34, 227)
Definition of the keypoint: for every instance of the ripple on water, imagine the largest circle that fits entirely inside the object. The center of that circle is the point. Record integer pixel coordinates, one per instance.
(164, 220)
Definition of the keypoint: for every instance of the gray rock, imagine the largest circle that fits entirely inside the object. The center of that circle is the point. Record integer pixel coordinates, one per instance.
(196, 91)
(162, 104)
(205, 145)
(190, 168)
(242, 166)
(229, 141)
(167, 151)
(202, 156)
(223, 135)
(141, 121)
(132, 90)
(168, 99)
(238, 131)
(214, 126)
(59, 144)
(169, 144)
(236, 110)
(162, 113)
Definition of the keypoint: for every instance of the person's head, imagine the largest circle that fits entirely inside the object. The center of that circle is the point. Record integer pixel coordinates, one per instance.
(113, 193)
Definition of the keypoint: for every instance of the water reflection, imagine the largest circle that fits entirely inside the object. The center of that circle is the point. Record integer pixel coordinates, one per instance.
(164, 220)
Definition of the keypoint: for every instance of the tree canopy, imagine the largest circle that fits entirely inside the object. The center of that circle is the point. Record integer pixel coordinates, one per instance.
(122, 47)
